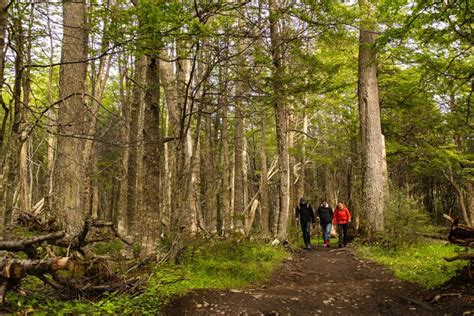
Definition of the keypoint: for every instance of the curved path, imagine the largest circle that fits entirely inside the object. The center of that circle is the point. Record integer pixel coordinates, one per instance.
(325, 281)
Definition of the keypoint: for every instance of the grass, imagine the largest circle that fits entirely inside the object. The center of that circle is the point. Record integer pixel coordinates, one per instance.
(421, 263)
(222, 264)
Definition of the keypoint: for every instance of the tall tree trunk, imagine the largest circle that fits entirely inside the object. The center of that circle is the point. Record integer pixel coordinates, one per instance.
(6, 115)
(264, 188)
(124, 88)
(300, 184)
(3, 31)
(184, 208)
(151, 216)
(370, 127)
(207, 160)
(24, 172)
(460, 195)
(134, 139)
(225, 209)
(239, 141)
(239, 138)
(197, 219)
(171, 99)
(185, 168)
(51, 122)
(69, 171)
(292, 161)
(281, 119)
(167, 174)
(16, 138)
(466, 190)
(99, 81)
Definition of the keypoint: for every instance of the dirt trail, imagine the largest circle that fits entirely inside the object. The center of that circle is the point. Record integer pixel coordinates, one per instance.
(327, 281)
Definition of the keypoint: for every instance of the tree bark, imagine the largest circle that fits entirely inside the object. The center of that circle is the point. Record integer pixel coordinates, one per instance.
(51, 120)
(99, 79)
(264, 188)
(281, 120)
(460, 193)
(17, 135)
(134, 139)
(151, 216)
(300, 184)
(40, 267)
(22, 245)
(176, 87)
(24, 172)
(239, 141)
(225, 196)
(370, 127)
(68, 189)
(124, 88)
(3, 31)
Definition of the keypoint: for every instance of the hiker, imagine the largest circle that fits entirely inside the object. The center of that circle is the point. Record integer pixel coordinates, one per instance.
(305, 215)
(342, 218)
(325, 215)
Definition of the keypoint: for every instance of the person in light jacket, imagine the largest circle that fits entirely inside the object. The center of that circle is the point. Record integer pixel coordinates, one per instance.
(342, 218)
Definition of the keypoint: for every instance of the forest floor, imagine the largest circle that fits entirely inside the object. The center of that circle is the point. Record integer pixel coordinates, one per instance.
(330, 281)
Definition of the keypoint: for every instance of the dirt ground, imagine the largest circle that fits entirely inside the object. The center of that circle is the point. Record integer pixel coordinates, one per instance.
(330, 281)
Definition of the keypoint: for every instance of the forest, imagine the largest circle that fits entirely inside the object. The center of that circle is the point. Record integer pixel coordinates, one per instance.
(141, 139)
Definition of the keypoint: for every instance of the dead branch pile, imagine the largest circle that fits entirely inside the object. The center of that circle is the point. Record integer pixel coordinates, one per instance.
(84, 273)
(461, 235)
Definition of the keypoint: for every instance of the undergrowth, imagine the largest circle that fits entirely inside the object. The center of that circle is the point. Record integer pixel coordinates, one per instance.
(421, 263)
(215, 264)
(403, 248)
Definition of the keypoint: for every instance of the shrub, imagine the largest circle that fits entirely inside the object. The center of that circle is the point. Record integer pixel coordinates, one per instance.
(405, 222)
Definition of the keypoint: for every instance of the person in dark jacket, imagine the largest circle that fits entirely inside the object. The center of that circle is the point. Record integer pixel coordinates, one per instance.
(342, 218)
(305, 215)
(325, 215)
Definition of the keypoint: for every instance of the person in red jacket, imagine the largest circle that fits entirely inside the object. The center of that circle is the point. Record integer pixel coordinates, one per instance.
(342, 217)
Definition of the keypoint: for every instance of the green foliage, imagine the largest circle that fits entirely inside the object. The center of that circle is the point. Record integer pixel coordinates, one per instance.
(405, 222)
(421, 263)
(214, 264)
(108, 248)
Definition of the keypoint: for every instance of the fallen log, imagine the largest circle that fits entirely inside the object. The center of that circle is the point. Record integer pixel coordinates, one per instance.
(460, 234)
(17, 268)
(464, 256)
(13, 270)
(89, 274)
(22, 245)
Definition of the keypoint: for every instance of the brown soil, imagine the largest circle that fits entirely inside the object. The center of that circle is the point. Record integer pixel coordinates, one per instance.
(329, 281)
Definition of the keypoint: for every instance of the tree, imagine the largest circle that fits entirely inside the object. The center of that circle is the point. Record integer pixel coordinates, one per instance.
(373, 183)
(240, 151)
(68, 189)
(281, 121)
